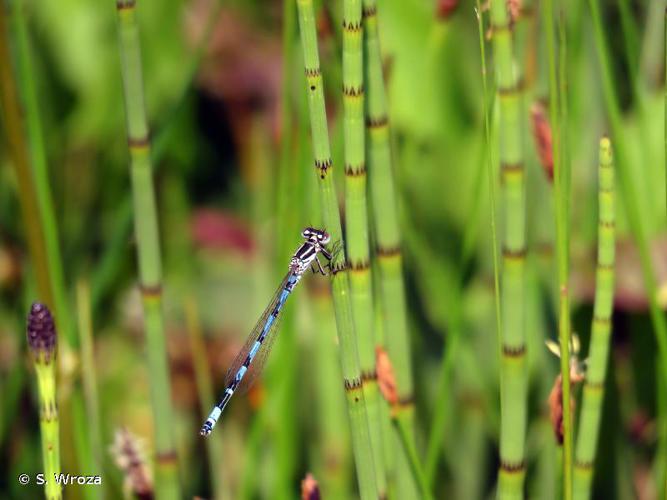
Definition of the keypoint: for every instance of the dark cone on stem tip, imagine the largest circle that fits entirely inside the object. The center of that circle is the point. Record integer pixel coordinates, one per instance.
(41, 332)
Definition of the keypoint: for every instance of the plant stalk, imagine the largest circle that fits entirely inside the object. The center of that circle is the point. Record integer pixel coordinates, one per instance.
(148, 250)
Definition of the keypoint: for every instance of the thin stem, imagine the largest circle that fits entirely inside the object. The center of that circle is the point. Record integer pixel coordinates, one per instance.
(361, 442)
(148, 250)
(19, 153)
(40, 171)
(205, 393)
(561, 201)
(591, 410)
(513, 373)
(88, 376)
(403, 429)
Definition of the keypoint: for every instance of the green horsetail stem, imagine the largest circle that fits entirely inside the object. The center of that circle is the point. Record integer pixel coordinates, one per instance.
(391, 292)
(356, 227)
(340, 287)
(148, 250)
(513, 373)
(633, 210)
(598, 353)
(42, 340)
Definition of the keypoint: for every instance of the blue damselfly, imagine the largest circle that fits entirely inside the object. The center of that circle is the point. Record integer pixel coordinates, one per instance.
(251, 358)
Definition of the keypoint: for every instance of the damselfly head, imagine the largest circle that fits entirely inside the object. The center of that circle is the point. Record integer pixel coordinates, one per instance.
(318, 234)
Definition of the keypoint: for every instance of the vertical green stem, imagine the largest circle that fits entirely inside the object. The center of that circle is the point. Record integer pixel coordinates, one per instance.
(391, 291)
(13, 125)
(356, 229)
(513, 373)
(631, 203)
(148, 250)
(89, 378)
(403, 428)
(561, 201)
(49, 427)
(591, 410)
(41, 174)
(340, 279)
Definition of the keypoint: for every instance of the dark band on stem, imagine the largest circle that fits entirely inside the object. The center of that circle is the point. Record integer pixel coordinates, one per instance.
(323, 166)
(608, 224)
(511, 254)
(353, 91)
(512, 351)
(406, 401)
(166, 457)
(369, 11)
(511, 168)
(601, 321)
(388, 251)
(605, 267)
(355, 171)
(139, 142)
(352, 384)
(585, 466)
(150, 291)
(125, 4)
(368, 376)
(511, 468)
(361, 265)
(352, 27)
(379, 122)
(338, 267)
(313, 72)
(593, 386)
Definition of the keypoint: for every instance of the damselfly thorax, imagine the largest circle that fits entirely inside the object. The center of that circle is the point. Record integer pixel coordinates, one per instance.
(250, 360)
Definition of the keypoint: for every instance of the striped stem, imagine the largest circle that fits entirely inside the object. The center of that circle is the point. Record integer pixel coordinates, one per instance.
(591, 409)
(361, 443)
(391, 291)
(148, 249)
(356, 228)
(632, 206)
(513, 373)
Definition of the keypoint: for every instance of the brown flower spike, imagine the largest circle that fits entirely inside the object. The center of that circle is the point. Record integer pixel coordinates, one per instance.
(41, 333)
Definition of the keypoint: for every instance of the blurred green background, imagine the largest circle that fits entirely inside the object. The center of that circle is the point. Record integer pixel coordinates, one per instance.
(230, 211)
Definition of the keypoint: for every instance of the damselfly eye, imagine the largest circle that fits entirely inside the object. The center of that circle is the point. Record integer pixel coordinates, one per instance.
(306, 232)
(324, 238)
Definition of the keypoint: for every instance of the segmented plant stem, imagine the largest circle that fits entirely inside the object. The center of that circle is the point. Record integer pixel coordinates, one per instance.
(513, 373)
(148, 250)
(391, 291)
(361, 442)
(598, 353)
(356, 228)
(629, 193)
